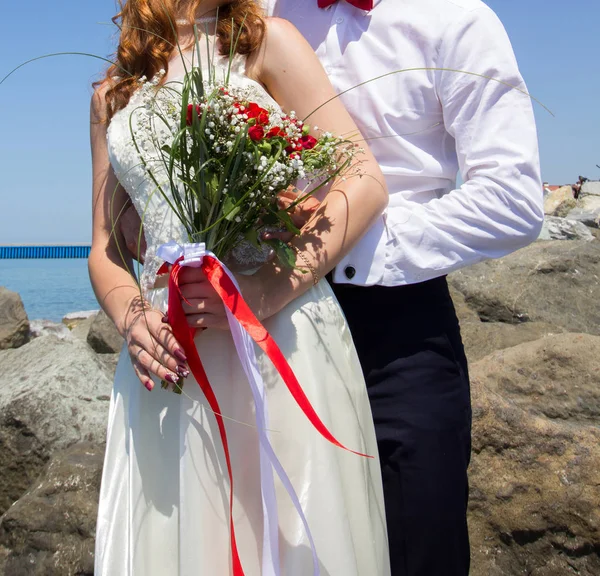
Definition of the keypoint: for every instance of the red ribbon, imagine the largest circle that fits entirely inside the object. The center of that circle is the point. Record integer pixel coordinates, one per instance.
(184, 334)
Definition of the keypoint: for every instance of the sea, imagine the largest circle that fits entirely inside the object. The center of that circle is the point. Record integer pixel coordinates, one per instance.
(50, 289)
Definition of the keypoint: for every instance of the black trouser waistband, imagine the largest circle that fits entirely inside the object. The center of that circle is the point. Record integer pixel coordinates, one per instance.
(391, 320)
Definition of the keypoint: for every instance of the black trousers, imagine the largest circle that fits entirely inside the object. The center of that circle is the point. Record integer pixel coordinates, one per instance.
(408, 341)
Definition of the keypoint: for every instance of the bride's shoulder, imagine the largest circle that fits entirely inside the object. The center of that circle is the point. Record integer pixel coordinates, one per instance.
(281, 32)
(283, 44)
(98, 103)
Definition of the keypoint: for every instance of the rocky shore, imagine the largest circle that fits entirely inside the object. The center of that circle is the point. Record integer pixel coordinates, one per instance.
(531, 326)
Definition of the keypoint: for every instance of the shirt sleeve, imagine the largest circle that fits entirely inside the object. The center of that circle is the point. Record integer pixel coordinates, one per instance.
(499, 208)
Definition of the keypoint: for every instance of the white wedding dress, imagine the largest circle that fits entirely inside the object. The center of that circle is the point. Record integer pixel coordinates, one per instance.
(164, 508)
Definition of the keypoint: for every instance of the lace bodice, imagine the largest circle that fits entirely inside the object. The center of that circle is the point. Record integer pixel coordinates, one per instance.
(126, 133)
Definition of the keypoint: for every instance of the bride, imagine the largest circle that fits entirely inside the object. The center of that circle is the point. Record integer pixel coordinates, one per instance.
(164, 503)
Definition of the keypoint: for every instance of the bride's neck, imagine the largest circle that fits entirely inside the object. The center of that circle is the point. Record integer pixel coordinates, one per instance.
(207, 9)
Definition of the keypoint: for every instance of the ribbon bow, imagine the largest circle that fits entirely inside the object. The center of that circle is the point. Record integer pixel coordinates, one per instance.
(362, 4)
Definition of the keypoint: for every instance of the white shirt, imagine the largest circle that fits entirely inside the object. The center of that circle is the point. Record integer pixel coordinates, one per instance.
(424, 126)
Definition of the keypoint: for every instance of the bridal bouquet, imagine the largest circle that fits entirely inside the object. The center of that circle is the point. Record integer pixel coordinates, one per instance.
(219, 158)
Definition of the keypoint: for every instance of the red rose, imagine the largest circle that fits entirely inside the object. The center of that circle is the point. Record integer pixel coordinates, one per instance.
(308, 142)
(190, 113)
(263, 117)
(274, 132)
(256, 133)
(260, 114)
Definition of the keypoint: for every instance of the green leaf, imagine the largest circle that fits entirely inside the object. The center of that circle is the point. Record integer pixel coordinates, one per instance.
(284, 217)
(286, 255)
(230, 210)
(252, 237)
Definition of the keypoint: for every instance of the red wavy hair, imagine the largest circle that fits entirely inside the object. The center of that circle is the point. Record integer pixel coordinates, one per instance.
(148, 40)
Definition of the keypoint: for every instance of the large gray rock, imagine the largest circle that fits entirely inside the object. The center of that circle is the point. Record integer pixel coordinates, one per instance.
(557, 376)
(535, 471)
(14, 324)
(535, 488)
(464, 312)
(50, 530)
(553, 282)
(483, 338)
(103, 336)
(53, 393)
(591, 188)
(587, 211)
(555, 228)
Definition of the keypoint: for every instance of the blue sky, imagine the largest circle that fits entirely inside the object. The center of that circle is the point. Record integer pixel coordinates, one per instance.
(44, 108)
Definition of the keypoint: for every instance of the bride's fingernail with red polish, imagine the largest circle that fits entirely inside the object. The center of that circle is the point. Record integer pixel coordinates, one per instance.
(183, 371)
(180, 355)
(171, 378)
(149, 385)
(165, 319)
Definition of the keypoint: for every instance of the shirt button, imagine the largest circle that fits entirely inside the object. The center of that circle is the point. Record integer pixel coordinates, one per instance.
(339, 20)
(350, 272)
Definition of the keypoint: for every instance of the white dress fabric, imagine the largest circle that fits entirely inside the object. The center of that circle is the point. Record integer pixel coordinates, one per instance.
(164, 502)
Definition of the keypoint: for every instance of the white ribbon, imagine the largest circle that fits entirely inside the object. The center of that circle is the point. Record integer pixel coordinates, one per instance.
(193, 255)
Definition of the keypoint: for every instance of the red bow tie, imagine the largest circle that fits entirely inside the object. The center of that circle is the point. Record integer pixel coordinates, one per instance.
(362, 4)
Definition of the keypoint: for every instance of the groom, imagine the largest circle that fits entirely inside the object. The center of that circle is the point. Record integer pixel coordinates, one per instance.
(424, 126)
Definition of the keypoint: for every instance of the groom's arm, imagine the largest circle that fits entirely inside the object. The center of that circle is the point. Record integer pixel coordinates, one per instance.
(499, 208)
(130, 225)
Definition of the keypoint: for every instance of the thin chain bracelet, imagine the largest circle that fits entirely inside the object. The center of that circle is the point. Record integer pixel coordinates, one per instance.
(304, 259)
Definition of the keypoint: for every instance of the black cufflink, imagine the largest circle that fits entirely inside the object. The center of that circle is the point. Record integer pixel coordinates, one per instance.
(350, 272)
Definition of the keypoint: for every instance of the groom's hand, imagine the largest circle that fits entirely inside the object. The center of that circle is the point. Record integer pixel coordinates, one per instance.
(130, 225)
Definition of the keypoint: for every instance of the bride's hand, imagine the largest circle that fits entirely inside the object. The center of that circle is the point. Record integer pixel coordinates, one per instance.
(300, 214)
(153, 348)
(204, 308)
